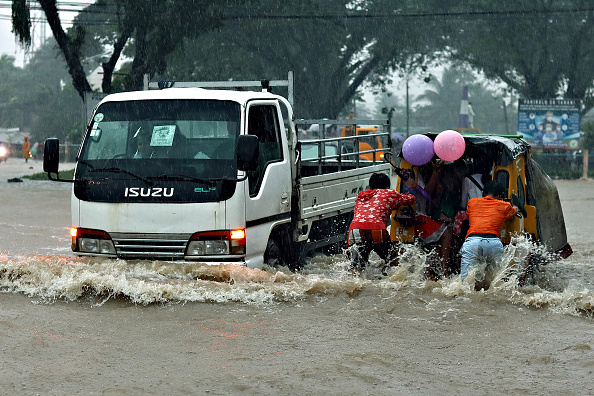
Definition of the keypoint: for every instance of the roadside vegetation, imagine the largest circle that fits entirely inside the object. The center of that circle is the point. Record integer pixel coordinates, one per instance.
(68, 174)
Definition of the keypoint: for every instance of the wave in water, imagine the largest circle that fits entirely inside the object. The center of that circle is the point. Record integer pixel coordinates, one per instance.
(560, 287)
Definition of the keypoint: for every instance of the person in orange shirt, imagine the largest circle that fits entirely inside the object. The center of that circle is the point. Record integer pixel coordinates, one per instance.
(26, 149)
(486, 215)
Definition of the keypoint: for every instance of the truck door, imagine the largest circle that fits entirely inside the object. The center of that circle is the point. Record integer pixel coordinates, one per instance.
(269, 186)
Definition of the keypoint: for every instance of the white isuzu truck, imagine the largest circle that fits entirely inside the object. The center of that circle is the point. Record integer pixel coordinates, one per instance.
(211, 175)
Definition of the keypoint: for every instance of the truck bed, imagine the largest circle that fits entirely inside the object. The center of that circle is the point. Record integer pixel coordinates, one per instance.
(332, 193)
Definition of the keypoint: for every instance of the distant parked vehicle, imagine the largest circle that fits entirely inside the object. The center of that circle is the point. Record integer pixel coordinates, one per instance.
(370, 141)
(4, 152)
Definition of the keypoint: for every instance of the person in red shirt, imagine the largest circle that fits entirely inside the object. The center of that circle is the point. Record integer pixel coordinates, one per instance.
(486, 216)
(368, 230)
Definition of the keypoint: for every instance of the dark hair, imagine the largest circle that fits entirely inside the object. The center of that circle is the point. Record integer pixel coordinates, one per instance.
(379, 180)
(483, 167)
(494, 189)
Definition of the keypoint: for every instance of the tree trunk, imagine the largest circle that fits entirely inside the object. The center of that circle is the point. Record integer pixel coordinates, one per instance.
(70, 49)
(109, 66)
(134, 80)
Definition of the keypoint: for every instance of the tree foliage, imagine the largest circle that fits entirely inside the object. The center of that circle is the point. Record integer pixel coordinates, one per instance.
(9, 92)
(330, 45)
(540, 48)
(320, 52)
(153, 28)
(40, 98)
(440, 104)
(21, 20)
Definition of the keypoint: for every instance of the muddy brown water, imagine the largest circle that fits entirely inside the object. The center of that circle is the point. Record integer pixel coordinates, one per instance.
(107, 327)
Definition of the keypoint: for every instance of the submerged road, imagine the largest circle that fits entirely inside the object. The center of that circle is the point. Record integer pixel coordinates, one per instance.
(107, 327)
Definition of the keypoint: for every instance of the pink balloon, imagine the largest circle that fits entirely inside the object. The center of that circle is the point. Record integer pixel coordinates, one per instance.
(449, 145)
(418, 150)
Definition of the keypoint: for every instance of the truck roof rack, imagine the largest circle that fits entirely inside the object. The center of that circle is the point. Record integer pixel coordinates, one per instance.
(265, 85)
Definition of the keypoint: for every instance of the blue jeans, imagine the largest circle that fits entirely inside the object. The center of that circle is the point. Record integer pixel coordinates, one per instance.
(475, 248)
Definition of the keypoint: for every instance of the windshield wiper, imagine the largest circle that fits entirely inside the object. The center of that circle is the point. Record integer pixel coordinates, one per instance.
(118, 170)
(184, 178)
(198, 180)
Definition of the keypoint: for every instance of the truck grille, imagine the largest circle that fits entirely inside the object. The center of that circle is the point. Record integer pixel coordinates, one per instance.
(153, 246)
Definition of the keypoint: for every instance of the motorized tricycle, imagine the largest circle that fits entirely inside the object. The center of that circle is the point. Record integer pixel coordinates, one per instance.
(508, 160)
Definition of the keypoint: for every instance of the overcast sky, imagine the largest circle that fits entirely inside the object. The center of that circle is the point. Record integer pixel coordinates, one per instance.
(8, 45)
(7, 42)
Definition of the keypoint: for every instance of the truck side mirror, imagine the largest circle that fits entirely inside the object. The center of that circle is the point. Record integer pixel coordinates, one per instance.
(51, 155)
(248, 150)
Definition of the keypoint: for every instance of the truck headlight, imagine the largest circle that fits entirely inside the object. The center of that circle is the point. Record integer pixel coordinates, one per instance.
(204, 248)
(91, 241)
(213, 243)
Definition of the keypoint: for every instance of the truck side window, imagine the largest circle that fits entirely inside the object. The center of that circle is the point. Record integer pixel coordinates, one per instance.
(263, 122)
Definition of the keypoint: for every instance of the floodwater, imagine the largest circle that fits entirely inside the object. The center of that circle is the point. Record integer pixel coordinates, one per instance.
(109, 327)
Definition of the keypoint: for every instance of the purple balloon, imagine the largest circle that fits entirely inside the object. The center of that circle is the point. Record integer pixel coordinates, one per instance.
(418, 150)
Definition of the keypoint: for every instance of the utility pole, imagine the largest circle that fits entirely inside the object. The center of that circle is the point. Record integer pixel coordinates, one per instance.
(585, 153)
(407, 110)
(505, 118)
(38, 34)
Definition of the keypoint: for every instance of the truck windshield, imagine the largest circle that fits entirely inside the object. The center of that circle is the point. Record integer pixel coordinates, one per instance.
(159, 129)
(180, 141)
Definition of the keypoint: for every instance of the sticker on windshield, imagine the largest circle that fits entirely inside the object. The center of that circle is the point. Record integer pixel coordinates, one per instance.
(98, 117)
(163, 135)
(95, 131)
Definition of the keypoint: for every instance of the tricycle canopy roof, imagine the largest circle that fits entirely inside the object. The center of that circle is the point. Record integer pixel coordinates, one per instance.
(499, 148)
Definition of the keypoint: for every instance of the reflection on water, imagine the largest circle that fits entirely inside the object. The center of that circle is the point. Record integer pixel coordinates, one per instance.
(561, 287)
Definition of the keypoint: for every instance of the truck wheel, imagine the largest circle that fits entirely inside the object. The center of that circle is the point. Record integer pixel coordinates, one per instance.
(273, 256)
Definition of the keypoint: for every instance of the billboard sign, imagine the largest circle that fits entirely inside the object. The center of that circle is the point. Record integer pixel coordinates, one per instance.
(550, 123)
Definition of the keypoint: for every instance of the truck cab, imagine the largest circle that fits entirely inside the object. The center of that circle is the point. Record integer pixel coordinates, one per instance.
(206, 172)
(187, 193)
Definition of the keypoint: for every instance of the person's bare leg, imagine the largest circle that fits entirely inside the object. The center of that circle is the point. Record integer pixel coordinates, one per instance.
(444, 251)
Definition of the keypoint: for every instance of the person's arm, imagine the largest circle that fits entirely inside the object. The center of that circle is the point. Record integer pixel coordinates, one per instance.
(411, 197)
(432, 183)
(510, 211)
(516, 210)
(465, 196)
(445, 219)
(411, 184)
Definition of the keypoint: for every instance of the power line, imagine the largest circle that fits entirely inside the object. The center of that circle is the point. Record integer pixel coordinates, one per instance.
(110, 10)
(259, 14)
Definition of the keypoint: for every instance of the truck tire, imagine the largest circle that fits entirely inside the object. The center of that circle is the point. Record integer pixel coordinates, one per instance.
(273, 256)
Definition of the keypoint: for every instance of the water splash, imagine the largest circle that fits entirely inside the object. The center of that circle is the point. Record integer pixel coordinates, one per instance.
(49, 278)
